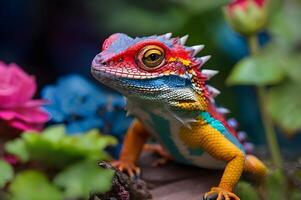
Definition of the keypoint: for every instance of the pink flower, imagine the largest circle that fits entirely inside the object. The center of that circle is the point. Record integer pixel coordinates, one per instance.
(243, 4)
(17, 109)
(247, 17)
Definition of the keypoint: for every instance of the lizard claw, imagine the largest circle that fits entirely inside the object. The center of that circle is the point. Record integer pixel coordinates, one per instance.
(127, 167)
(217, 193)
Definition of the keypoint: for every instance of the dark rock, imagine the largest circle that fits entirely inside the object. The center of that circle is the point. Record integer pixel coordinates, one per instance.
(123, 187)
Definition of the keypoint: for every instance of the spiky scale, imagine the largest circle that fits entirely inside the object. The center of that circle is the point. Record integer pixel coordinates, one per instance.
(204, 59)
(209, 73)
(223, 110)
(197, 49)
(201, 60)
(242, 136)
(213, 91)
(233, 123)
(167, 35)
(183, 39)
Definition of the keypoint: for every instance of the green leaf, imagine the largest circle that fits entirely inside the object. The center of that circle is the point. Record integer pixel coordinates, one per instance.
(284, 106)
(33, 185)
(17, 147)
(6, 173)
(54, 133)
(258, 70)
(276, 185)
(82, 178)
(92, 137)
(246, 191)
(285, 24)
(293, 67)
(55, 148)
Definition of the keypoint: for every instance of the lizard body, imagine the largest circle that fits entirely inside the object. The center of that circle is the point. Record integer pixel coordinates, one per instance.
(166, 91)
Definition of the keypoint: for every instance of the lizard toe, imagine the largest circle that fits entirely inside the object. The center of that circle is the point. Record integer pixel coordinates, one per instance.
(212, 196)
(127, 167)
(217, 193)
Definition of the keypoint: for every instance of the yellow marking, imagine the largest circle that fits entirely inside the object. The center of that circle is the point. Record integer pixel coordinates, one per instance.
(200, 104)
(202, 135)
(151, 51)
(183, 61)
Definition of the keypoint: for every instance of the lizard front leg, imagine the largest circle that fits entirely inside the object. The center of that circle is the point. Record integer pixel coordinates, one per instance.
(219, 147)
(134, 140)
(235, 158)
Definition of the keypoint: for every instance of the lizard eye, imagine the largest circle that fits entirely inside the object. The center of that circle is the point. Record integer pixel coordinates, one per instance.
(151, 57)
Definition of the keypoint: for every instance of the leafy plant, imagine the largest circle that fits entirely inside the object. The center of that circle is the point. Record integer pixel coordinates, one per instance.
(82, 178)
(267, 68)
(278, 66)
(7, 173)
(65, 165)
(274, 188)
(275, 71)
(74, 182)
(54, 148)
(33, 185)
(286, 115)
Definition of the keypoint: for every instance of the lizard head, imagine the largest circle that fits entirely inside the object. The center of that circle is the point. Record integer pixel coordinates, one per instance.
(153, 67)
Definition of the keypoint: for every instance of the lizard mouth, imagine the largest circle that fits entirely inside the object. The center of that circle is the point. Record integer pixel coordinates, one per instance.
(123, 72)
(121, 80)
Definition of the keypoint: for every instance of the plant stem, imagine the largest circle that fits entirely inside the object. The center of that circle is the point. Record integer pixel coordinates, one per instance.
(266, 120)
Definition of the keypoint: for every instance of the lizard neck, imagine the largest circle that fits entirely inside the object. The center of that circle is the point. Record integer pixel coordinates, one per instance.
(184, 112)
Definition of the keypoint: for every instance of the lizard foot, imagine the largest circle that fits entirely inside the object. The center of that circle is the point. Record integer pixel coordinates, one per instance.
(128, 167)
(159, 150)
(217, 193)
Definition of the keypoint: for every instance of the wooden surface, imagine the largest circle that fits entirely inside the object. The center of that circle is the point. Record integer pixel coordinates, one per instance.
(177, 182)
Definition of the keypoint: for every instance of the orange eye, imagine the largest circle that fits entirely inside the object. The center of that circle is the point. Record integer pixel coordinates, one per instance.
(151, 57)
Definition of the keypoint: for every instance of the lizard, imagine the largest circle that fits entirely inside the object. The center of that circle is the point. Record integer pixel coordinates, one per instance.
(166, 90)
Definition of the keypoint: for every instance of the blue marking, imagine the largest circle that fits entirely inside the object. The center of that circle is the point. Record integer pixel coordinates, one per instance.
(123, 42)
(162, 128)
(195, 151)
(221, 128)
(171, 81)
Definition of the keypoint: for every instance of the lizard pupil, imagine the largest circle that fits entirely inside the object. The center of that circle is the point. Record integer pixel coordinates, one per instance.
(153, 56)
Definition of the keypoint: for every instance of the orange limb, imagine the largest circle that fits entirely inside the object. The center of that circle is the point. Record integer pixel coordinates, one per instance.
(134, 141)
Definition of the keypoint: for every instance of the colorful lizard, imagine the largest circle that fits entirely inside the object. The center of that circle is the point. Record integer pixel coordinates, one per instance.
(167, 92)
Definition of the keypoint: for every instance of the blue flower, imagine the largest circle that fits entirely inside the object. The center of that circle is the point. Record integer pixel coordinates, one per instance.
(83, 106)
